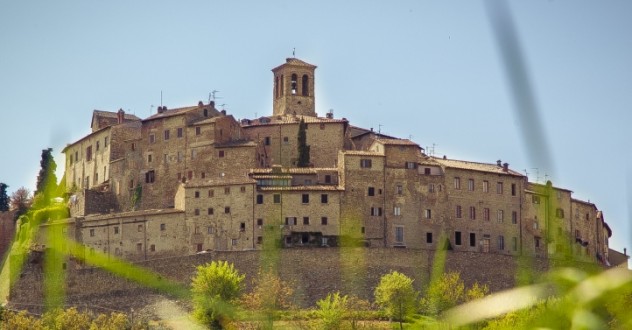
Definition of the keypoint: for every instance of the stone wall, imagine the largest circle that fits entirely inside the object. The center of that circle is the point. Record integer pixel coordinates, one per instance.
(7, 231)
(313, 272)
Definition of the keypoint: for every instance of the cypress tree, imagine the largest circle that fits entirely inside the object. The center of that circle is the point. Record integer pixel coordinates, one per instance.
(47, 179)
(4, 197)
(303, 148)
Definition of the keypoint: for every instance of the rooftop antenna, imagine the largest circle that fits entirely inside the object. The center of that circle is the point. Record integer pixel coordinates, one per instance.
(222, 105)
(537, 174)
(161, 98)
(211, 95)
(294, 52)
(526, 173)
(379, 128)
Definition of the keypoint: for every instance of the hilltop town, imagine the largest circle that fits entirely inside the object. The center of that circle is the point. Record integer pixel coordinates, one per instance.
(195, 179)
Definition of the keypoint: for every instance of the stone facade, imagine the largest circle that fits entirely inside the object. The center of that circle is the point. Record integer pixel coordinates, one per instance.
(197, 180)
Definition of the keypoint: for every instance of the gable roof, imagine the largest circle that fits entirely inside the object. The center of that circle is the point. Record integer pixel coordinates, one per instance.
(110, 116)
(355, 132)
(474, 166)
(180, 111)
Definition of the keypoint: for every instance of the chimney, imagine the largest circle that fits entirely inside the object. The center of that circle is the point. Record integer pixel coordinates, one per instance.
(223, 112)
(625, 251)
(330, 115)
(499, 163)
(200, 104)
(212, 104)
(120, 116)
(506, 167)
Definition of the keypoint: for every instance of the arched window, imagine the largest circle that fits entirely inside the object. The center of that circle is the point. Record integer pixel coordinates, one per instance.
(276, 86)
(305, 85)
(294, 83)
(205, 112)
(282, 86)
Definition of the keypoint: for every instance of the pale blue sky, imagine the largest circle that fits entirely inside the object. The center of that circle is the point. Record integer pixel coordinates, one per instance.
(426, 69)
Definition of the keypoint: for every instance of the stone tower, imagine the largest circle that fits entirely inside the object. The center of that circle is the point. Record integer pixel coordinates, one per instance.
(294, 88)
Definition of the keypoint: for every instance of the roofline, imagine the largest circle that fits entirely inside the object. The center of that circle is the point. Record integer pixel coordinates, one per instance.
(85, 137)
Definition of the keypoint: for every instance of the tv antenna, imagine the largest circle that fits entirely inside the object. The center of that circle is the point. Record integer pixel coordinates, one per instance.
(211, 96)
(379, 128)
(526, 173)
(431, 150)
(222, 105)
(537, 174)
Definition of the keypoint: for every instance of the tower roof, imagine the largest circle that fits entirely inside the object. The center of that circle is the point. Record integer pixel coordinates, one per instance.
(293, 61)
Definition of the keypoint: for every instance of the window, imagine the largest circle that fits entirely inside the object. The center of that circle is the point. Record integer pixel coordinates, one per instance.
(587, 217)
(535, 199)
(411, 165)
(180, 130)
(266, 140)
(400, 189)
(227, 209)
(371, 191)
(472, 239)
(514, 217)
(196, 211)
(211, 193)
(105, 142)
(376, 211)
(305, 85)
(472, 213)
(91, 232)
(226, 190)
(536, 224)
(457, 238)
(140, 228)
(290, 221)
(323, 221)
(305, 198)
(365, 163)
(199, 247)
(293, 83)
(98, 144)
(150, 176)
(559, 213)
(139, 247)
(221, 153)
(486, 214)
(501, 215)
(152, 138)
(166, 134)
(197, 194)
(198, 130)
(514, 243)
(397, 210)
(133, 146)
(499, 188)
(428, 214)
(89, 153)
(513, 189)
(431, 187)
(165, 158)
(242, 189)
(306, 221)
(179, 156)
(190, 175)
(163, 227)
(458, 211)
(429, 238)
(234, 241)
(116, 230)
(210, 211)
(242, 226)
(536, 241)
(276, 198)
(501, 243)
(324, 198)
(210, 230)
(152, 248)
(327, 178)
(259, 222)
(193, 153)
(399, 234)
(259, 199)
(470, 184)
(427, 171)
(457, 183)
(149, 158)
(286, 140)
(259, 239)
(485, 186)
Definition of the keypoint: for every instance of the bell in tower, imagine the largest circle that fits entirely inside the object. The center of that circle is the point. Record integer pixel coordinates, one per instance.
(294, 88)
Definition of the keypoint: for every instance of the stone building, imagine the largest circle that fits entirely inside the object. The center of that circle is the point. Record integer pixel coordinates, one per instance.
(193, 179)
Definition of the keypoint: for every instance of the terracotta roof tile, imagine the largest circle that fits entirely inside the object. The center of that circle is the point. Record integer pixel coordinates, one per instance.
(482, 167)
(295, 61)
(288, 119)
(397, 142)
(362, 153)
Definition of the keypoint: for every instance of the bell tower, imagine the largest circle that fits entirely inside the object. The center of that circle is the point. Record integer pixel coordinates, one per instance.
(293, 91)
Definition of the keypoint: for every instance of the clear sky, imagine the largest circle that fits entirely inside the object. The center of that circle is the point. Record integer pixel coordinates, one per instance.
(426, 70)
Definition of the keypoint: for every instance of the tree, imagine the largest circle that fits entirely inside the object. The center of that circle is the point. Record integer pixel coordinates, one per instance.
(215, 286)
(332, 310)
(449, 291)
(4, 198)
(396, 295)
(21, 201)
(269, 295)
(303, 148)
(46, 179)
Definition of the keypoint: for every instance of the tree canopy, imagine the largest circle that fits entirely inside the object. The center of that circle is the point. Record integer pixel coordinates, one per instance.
(303, 148)
(46, 179)
(4, 197)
